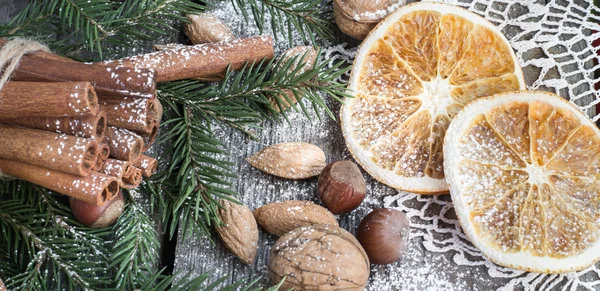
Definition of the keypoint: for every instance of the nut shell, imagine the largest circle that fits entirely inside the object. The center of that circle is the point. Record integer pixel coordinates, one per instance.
(319, 258)
(368, 11)
(292, 160)
(98, 216)
(384, 235)
(349, 26)
(357, 18)
(342, 187)
(282, 217)
(206, 28)
(240, 232)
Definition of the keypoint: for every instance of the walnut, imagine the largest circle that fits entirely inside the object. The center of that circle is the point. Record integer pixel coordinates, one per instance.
(357, 18)
(320, 257)
(205, 28)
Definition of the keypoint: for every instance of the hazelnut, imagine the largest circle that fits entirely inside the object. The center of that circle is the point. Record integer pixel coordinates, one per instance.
(319, 257)
(357, 18)
(98, 216)
(384, 235)
(341, 187)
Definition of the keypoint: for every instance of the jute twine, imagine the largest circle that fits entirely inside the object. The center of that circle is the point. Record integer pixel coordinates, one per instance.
(10, 56)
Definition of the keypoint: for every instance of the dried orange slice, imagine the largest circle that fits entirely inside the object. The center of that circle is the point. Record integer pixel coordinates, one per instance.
(524, 175)
(411, 75)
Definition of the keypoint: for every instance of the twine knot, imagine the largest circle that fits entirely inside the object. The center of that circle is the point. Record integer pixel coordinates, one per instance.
(11, 54)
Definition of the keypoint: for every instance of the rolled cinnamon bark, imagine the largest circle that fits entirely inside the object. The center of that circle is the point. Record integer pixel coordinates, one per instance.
(49, 150)
(36, 99)
(122, 170)
(90, 126)
(108, 81)
(133, 179)
(201, 60)
(147, 164)
(130, 113)
(124, 144)
(98, 164)
(104, 150)
(95, 188)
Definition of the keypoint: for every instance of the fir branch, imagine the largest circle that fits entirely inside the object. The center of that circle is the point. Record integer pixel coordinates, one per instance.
(71, 25)
(198, 174)
(307, 17)
(135, 249)
(244, 100)
(51, 247)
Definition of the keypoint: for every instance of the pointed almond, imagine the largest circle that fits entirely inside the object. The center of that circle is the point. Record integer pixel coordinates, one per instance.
(292, 160)
(282, 217)
(239, 232)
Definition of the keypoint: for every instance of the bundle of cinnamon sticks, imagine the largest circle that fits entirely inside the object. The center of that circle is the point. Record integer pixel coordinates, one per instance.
(81, 129)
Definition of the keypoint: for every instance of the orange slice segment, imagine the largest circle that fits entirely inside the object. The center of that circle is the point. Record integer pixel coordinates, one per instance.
(549, 221)
(487, 55)
(414, 37)
(427, 53)
(376, 117)
(385, 75)
(452, 42)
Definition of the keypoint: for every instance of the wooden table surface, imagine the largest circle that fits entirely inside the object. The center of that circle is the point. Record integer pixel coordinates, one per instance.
(255, 188)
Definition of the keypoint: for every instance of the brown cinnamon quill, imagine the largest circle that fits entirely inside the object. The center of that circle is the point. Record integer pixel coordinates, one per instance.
(123, 171)
(201, 60)
(49, 150)
(95, 188)
(130, 113)
(90, 126)
(133, 179)
(104, 150)
(147, 164)
(108, 81)
(124, 144)
(36, 99)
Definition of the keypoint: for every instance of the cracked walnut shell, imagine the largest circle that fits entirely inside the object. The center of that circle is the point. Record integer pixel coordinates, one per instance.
(320, 257)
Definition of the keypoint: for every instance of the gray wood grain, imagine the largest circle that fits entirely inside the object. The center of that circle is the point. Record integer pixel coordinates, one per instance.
(9, 8)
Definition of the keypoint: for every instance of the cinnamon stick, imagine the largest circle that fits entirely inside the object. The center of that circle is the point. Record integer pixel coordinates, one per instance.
(36, 99)
(108, 81)
(130, 113)
(133, 179)
(147, 164)
(124, 144)
(122, 170)
(90, 126)
(95, 188)
(69, 154)
(200, 60)
(98, 164)
(104, 150)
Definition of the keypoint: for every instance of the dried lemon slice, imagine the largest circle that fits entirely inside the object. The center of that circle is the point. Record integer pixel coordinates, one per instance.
(524, 175)
(411, 76)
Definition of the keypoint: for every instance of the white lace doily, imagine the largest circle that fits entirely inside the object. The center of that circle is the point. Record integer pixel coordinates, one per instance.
(553, 43)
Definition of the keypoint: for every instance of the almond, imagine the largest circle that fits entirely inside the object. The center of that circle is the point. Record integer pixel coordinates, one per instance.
(239, 231)
(282, 217)
(205, 28)
(292, 160)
